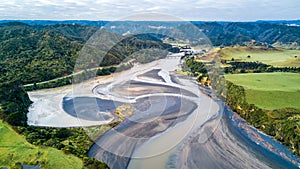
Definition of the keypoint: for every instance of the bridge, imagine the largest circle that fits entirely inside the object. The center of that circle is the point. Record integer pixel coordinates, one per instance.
(175, 55)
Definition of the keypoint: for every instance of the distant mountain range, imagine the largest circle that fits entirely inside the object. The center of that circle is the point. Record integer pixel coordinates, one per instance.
(48, 49)
(282, 33)
(52, 22)
(102, 22)
(257, 33)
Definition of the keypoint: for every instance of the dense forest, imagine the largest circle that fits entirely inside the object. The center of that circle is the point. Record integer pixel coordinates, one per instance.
(29, 54)
(14, 103)
(35, 53)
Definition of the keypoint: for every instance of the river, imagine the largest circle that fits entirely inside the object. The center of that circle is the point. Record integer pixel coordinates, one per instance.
(174, 125)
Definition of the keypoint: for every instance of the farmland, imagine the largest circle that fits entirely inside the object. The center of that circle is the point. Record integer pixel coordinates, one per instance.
(270, 56)
(270, 90)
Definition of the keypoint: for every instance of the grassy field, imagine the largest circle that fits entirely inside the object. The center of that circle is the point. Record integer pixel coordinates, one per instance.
(275, 57)
(270, 90)
(14, 148)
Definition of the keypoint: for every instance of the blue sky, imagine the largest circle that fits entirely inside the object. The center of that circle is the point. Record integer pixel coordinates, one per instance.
(221, 10)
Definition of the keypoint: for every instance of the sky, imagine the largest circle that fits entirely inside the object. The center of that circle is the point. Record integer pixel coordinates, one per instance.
(204, 10)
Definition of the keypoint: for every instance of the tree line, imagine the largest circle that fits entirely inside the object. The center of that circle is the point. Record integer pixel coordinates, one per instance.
(85, 75)
(256, 67)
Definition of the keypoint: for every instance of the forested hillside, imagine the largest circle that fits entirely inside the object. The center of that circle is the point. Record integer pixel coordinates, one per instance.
(29, 54)
(240, 33)
(35, 53)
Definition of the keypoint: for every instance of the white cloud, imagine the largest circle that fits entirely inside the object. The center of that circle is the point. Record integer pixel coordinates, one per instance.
(115, 9)
(155, 8)
(47, 2)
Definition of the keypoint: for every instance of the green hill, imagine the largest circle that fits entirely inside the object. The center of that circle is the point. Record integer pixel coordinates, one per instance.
(15, 149)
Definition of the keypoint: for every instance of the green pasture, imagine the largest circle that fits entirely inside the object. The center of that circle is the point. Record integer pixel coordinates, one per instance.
(275, 57)
(270, 90)
(15, 149)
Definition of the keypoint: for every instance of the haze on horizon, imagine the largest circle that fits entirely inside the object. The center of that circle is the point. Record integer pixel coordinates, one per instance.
(204, 10)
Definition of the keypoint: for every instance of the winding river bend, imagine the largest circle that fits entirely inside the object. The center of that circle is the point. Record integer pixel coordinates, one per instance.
(174, 125)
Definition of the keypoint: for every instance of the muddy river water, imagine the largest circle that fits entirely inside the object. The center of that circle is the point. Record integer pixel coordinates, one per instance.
(174, 124)
(177, 126)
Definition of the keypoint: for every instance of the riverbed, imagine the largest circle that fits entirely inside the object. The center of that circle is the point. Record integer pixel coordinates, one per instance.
(174, 124)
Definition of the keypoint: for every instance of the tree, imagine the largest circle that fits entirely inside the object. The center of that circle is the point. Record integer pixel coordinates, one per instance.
(16, 119)
(35, 85)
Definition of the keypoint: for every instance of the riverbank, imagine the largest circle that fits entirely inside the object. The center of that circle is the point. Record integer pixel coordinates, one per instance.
(82, 75)
(47, 111)
(47, 107)
(282, 155)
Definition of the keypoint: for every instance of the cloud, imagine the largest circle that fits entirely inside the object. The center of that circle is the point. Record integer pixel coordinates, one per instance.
(235, 10)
